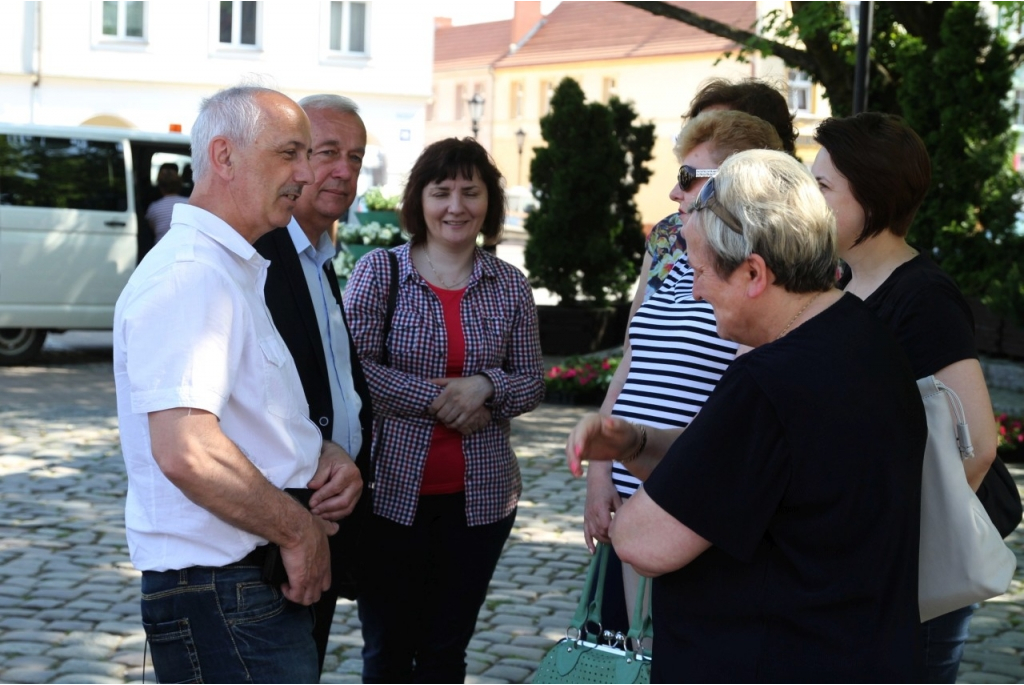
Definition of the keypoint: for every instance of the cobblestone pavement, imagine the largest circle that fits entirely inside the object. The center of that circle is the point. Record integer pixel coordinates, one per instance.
(69, 596)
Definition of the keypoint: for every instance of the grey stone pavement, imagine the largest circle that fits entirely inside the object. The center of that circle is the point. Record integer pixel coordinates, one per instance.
(69, 595)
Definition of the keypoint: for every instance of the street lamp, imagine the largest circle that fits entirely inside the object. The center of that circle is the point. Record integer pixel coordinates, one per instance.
(520, 139)
(476, 110)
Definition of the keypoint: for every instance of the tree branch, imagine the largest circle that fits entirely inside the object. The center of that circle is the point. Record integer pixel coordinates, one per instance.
(792, 56)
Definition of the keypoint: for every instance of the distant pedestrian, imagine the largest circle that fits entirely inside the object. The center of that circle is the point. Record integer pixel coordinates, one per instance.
(212, 416)
(159, 212)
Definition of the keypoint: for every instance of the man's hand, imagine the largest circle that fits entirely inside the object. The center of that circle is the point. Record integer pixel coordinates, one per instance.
(599, 438)
(337, 482)
(602, 500)
(459, 403)
(308, 561)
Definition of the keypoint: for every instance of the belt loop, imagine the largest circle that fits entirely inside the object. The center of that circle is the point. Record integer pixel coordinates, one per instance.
(183, 576)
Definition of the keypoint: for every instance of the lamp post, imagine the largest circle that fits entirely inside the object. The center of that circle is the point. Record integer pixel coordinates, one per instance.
(520, 139)
(476, 110)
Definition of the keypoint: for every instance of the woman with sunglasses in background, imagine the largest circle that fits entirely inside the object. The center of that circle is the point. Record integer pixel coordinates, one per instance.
(664, 249)
(676, 357)
(874, 171)
(781, 527)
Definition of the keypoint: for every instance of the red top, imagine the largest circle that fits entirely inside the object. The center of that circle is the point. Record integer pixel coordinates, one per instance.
(445, 470)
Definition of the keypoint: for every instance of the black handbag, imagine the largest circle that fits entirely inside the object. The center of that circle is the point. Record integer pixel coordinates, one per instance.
(345, 562)
(999, 495)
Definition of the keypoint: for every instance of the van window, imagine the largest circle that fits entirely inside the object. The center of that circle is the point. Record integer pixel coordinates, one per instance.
(68, 173)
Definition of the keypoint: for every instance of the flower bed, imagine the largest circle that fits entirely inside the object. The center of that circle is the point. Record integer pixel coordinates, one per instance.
(580, 380)
(1011, 437)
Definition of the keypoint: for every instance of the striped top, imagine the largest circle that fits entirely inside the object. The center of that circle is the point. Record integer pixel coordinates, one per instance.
(677, 360)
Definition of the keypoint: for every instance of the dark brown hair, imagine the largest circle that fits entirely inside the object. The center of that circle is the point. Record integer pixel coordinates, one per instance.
(445, 160)
(886, 165)
(753, 97)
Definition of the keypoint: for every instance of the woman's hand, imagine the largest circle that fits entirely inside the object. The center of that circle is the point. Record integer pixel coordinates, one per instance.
(460, 403)
(602, 501)
(600, 438)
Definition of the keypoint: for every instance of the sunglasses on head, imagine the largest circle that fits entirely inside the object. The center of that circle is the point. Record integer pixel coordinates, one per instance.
(687, 175)
(707, 200)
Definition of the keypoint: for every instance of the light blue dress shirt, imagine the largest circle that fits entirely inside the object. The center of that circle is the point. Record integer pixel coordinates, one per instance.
(347, 432)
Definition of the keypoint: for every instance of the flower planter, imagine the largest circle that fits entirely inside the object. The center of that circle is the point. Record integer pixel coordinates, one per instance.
(581, 399)
(566, 330)
(358, 251)
(382, 217)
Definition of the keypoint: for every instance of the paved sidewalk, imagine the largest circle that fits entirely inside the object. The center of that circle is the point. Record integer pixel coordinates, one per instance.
(69, 596)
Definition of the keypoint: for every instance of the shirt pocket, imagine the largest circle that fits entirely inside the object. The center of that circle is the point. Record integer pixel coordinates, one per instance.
(409, 343)
(278, 392)
(494, 334)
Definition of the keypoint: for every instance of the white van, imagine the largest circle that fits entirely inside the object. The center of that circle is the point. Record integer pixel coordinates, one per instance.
(72, 224)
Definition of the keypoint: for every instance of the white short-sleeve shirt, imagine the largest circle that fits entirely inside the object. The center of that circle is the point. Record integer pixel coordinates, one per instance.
(192, 329)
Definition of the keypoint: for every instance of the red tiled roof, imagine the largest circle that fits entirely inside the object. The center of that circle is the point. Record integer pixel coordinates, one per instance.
(473, 45)
(586, 31)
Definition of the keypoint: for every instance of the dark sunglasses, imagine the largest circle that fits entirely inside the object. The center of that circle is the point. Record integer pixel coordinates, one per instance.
(707, 200)
(687, 175)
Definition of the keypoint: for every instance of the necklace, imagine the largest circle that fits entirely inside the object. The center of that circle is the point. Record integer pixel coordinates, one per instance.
(438, 276)
(793, 320)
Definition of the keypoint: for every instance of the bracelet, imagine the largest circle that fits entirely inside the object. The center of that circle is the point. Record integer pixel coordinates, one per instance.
(640, 447)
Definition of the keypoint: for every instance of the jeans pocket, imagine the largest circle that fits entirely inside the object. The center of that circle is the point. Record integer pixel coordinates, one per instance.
(175, 658)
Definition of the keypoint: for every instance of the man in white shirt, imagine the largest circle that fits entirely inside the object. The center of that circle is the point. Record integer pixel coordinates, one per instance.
(213, 420)
(304, 299)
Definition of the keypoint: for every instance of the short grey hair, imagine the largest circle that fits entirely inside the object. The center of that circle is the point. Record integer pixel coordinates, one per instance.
(784, 217)
(233, 113)
(336, 103)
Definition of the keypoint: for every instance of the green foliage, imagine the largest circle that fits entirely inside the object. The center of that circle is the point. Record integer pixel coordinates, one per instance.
(585, 237)
(376, 201)
(968, 219)
(947, 72)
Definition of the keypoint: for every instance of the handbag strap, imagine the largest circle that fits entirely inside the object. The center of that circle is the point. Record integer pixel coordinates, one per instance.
(640, 627)
(589, 608)
(385, 359)
(963, 434)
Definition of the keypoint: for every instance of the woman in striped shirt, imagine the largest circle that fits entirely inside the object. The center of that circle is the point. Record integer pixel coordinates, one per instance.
(675, 356)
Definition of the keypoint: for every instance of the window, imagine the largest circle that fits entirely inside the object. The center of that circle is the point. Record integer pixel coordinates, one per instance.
(123, 21)
(1019, 97)
(547, 91)
(609, 89)
(799, 91)
(517, 100)
(346, 27)
(239, 23)
(91, 173)
(460, 101)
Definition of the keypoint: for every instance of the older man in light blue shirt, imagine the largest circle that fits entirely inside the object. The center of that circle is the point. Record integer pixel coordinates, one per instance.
(304, 299)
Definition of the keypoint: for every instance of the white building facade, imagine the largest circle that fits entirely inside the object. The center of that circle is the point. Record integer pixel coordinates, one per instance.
(147, 65)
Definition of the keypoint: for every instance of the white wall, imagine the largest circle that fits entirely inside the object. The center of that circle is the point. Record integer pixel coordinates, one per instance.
(159, 81)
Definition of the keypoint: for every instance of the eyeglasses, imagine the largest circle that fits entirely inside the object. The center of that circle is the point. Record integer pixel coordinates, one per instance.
(687, 175)
(707, 200)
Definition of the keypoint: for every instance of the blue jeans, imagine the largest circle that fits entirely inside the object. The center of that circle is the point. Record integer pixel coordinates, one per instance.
(942, 639)
(225, 625)
(421, 588)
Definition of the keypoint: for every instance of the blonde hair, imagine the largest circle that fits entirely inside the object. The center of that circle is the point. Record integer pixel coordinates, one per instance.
(727, 132)
(784, 217)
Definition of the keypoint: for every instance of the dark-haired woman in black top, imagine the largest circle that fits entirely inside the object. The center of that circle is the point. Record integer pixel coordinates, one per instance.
(874, 172)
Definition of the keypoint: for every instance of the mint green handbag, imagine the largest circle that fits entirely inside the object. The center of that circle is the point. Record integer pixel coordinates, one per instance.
(599, 657)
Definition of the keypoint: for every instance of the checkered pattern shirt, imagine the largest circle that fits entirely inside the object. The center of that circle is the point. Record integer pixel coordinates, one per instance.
(499, 321)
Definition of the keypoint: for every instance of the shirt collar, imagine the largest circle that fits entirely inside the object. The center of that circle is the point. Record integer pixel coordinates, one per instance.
(217, 230)
(319, 255)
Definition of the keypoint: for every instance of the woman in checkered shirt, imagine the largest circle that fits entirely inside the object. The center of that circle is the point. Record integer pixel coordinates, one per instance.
(464, 357)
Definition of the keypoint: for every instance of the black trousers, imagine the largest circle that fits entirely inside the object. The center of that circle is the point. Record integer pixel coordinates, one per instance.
(421, 589)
